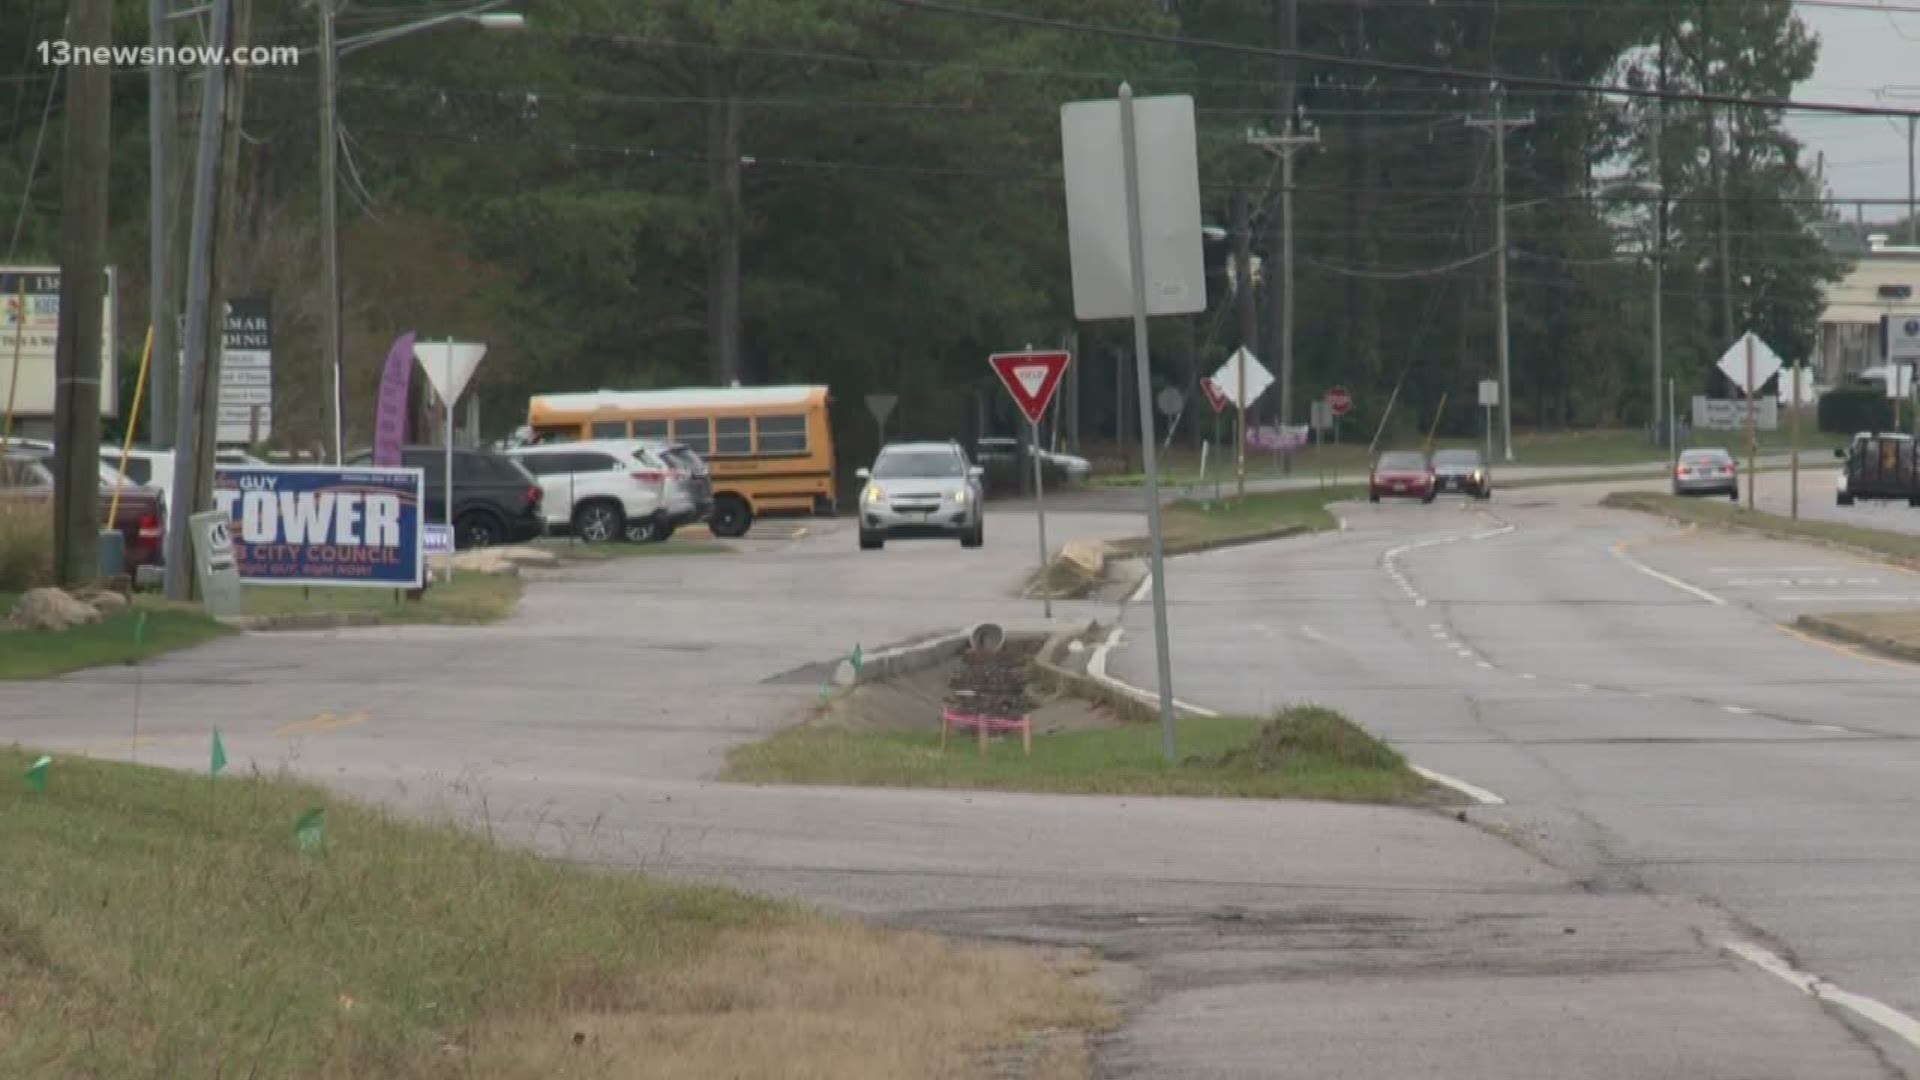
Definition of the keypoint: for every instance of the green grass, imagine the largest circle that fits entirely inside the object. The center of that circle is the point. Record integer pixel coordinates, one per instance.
(467, 599)
(1190, 524)
(1301, 753)
(42, 654)
(574, 550)
(1724, 512)
(164, 924)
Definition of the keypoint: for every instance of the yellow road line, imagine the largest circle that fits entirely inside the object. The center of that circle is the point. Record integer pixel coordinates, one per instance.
(319, 722)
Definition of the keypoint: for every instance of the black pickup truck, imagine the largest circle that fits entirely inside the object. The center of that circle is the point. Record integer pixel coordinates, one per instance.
(1879, 466)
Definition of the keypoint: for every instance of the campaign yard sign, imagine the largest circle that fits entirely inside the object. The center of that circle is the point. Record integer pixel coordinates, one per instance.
(322, 525)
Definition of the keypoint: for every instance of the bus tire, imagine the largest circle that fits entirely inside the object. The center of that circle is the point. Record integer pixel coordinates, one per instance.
(731, 517)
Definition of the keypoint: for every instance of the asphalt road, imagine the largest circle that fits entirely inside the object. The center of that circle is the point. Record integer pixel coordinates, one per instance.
(1628, 690)
(1249, 939)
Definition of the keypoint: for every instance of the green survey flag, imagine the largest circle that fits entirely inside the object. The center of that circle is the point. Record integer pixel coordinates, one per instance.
(37, 774)
(219, 755)
(311, 830)
(139, 629)
(856, 658)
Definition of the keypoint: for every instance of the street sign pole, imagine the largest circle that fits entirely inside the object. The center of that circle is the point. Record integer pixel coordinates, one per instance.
(446, 404)
(1794, 444)
(1753, 421)
(1156, 566)
(1040, 514)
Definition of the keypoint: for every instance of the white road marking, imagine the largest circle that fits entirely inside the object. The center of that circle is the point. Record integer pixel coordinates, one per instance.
(1836, 598)
(1486, 665)
(1906, 1027)
(1620, 553)
(1316, 635)
(1528, 675)
(1436, 626)
(1341, 521)
(1767, 569)
(1738, 710)
(1581, 686)
(1831, 727)
(1139, 594)
(1477, 794)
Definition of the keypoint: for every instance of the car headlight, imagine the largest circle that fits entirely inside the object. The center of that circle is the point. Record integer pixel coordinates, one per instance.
(959, 495)
(1478, 476)
(875, 494)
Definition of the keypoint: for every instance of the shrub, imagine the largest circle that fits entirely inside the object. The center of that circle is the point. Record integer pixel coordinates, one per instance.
(26, 545)
(1845, 410)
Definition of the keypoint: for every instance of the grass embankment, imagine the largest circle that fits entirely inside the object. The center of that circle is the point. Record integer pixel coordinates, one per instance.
(156, 923)
(467, 599)
(576, 551)
(42, 654)
(1193, 525)
(1300, 753)
(1729, 514)
(1890, 633)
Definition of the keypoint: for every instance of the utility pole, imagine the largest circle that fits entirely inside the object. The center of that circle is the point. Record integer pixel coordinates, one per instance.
(1656, 414)
(1498, 125)
(1913, 204)
(1286, 15)
(162, 314)
(1249, 323)
(83, 274)
(331, 342)
(195, 375)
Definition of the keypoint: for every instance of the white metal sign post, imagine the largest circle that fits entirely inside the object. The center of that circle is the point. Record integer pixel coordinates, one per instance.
(449, 364)
(1489, 397)
(1032, 377)
(1162, 267)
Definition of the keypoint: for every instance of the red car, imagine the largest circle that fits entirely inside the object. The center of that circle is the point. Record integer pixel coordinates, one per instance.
(1401, 474)
(26, 479)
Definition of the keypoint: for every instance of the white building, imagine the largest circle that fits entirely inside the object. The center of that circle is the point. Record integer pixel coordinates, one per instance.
(1885, 280)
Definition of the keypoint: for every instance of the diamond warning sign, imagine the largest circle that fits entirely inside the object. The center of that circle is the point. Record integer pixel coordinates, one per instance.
(1031, 377)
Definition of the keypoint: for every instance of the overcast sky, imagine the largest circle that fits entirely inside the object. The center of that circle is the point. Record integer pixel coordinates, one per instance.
(1861, 53)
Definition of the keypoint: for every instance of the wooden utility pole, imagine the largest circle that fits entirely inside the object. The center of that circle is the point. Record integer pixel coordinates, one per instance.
(1249, 327)
(724, 124)
(83, 274)
(1286, 14)
(162, 312)
(1498, 125)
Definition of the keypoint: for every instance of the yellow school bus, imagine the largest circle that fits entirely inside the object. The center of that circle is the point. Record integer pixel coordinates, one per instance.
(770, 448)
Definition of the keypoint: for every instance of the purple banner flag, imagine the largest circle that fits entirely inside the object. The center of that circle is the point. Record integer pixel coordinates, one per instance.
(390, 424)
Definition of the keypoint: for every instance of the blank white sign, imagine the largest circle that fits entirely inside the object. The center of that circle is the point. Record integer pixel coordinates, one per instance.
(1169, 170)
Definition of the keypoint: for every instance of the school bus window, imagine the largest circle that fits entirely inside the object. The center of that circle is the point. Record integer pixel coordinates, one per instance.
(549, 433)
(650, 429)
(693, 433)
(783, 434)
(609, 429)
(732, 436)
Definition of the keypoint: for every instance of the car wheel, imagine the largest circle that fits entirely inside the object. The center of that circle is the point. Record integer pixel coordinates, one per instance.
(478, 529)
(1427, 498)
(975, 536)
(648, 530)
(1843, 500)
(1373, 496)
(1734, 494)
(597, 522)
(871, 541)
(731, 517)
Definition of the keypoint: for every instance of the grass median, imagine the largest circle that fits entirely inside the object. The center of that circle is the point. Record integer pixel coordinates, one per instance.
(1195, 524)
(470, 598)
(160, 923)
(43, 654)
(1300, 753)
(577, 551)
(1728, 514)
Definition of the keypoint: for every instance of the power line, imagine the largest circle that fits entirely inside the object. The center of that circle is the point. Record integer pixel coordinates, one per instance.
(1149, 37)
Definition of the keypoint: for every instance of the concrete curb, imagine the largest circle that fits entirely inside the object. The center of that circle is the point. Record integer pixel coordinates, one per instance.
(314, 620)
(1129, 555)
(1903, 561)
(1103, 689)
(1884, 646)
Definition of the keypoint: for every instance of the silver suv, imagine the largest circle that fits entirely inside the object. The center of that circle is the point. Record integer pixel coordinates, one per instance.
(921, 489)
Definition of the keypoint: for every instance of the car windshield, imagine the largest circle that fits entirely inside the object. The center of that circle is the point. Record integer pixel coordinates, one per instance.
(918, 465)
(1468, 459)
(1402, 460)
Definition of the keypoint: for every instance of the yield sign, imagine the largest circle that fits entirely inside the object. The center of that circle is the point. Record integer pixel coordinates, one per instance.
(1734, 364)
(449, 364)
(1031, 377)
(1214, 397)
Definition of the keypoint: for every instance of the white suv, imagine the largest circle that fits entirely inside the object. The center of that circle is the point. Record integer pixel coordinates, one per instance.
(601, 489)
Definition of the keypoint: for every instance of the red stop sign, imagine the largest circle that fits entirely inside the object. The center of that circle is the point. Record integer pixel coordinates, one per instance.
(1339, 401)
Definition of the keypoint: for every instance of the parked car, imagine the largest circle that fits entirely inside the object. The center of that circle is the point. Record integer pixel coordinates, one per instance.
(1401, 474)
(495, 499)
(1464, 471)
(1706, 471)
(151, 467)
(1009, 464)
(140, 516)
(922, 489)
(1878, 466)
(689, 483)
(607, 489)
